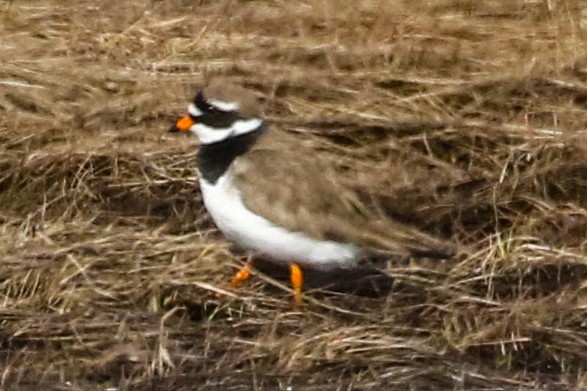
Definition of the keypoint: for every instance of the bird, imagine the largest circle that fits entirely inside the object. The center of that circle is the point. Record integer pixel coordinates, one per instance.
(272, 195)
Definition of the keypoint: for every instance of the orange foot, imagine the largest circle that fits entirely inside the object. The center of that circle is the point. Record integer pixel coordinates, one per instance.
(297, 280)
(243, 274)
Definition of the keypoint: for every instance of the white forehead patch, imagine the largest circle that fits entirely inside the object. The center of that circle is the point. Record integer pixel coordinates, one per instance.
(194, 111)
(224, 106)
(209, 135)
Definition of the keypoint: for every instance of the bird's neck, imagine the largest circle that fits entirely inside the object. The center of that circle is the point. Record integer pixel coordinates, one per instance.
(214, 159)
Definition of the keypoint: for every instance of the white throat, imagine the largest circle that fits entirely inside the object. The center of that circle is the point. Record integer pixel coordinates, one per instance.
(209, 135)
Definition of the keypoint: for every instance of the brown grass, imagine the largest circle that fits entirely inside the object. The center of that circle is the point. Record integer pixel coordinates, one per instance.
(465, 118)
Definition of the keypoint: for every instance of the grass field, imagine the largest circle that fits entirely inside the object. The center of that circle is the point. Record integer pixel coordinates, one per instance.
(464, 118)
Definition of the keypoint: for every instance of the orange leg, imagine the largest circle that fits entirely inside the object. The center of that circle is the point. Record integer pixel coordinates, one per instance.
(297, 280)
(243, 274)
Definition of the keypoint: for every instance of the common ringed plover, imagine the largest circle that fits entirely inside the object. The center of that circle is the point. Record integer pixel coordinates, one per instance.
(272, 196)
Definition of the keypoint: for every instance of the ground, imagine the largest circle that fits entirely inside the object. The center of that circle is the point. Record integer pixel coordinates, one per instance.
(466, 119)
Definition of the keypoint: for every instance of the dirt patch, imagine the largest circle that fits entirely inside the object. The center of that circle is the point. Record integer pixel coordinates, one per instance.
(466, 120)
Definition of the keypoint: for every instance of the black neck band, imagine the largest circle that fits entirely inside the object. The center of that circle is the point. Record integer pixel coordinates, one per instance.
(214, 159)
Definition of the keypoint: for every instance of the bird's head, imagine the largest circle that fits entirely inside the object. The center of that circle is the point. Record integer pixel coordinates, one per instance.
(220, 111)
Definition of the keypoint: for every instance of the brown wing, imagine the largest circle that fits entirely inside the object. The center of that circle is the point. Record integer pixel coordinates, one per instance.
(293, 189)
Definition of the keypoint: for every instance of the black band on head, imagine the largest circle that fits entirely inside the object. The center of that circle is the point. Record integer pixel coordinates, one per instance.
(212, 116)
(219, 119)
(201, 103)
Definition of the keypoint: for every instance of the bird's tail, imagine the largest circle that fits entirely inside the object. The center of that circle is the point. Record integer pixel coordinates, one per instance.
(407, 241)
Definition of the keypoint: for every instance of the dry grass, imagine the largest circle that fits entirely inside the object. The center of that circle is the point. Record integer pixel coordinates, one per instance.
(465, 118)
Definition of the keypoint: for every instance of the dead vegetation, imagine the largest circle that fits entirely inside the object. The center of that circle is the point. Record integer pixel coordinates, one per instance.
(464, 118)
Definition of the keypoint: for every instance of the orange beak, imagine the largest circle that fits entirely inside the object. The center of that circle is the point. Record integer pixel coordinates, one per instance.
(182, 125)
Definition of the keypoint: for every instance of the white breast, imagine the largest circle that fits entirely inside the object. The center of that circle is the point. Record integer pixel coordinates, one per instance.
(247, 229)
